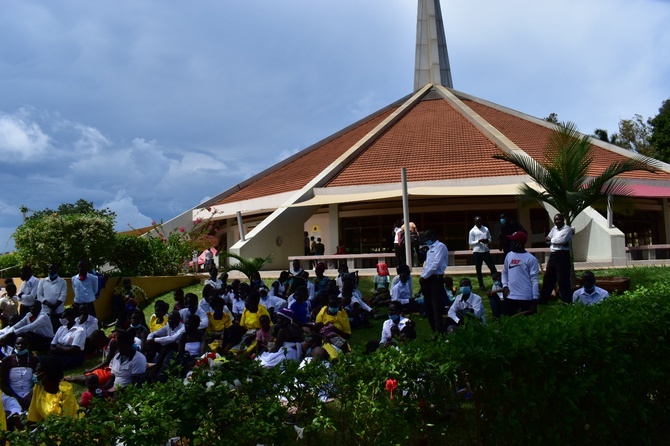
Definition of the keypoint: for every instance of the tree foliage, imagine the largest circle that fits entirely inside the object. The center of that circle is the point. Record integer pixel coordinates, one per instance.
(80, 232)
(660, 132)
(246, 266)
(131, 255)
(564, 173)
(553, 118)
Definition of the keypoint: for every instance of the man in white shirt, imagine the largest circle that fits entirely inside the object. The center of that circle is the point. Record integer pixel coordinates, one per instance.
(164, 341)
(520, 278)
(589, 294)
(35, 325)
(465, 303)
(127, 366)
(396, 328)
(191, 301)
(28, 291)
(431, 281)
(479, 239)
(52, 291)
(558, 266)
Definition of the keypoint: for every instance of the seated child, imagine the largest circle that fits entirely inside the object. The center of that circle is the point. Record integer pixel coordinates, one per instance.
(93, 391)
(158, 320)
(450, 290)
(357, 310)
(300, 306)
(401, 291)
(397, 329)
(381, 283)
(9, 303)
(496, 295)
(264, 337)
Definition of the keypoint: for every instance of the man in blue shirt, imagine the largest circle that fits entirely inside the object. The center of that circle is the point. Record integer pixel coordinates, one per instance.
(85, 287)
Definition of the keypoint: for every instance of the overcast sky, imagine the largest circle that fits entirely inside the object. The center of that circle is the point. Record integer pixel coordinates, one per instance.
(150, 107)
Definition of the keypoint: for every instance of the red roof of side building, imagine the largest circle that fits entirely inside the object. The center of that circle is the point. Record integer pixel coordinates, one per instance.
(532, 137)
(435, 142)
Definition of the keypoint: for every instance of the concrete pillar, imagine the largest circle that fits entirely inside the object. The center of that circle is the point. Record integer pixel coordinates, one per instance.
(333, 227)
(666, 221)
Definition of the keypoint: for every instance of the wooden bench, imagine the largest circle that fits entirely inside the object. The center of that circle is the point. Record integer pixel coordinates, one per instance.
(646, 252)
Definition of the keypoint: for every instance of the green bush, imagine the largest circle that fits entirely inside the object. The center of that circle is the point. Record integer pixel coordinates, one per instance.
(12, 262)
(131, 255)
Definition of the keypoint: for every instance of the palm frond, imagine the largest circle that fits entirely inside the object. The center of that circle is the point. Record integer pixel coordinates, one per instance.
(247, 266)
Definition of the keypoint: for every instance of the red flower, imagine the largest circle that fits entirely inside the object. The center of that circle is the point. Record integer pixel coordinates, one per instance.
(391, 385)
(182, 229)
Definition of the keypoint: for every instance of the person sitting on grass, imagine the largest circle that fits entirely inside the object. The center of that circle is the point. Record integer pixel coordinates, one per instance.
(271, 303)
(358, 316)
(161, 343)
(244, 334)
(381, 283)
(17, 372)
(218, 320)
(35, 325)
(288, 341)
(278, 287)
(300, 305)
(396, 330)
(69, 341)
(320, 281)
(9, 303)
(450, 291)
(51, 395)
(90, 324)
(191, 345)
(128, 366)
(93, 390)
(264, 338)
(402, 291)
(589, 293)
(467, 304)
(192, 308)
(178, 300)
(138, 328)
(158, 320)
(496, 296)
(238, 306)
(332, 323)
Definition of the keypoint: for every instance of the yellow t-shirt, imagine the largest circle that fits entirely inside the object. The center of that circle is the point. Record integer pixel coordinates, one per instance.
(218, 325)
(339, 321)
(154, 325)
(250, 320)
(3, 420)
(43, 404)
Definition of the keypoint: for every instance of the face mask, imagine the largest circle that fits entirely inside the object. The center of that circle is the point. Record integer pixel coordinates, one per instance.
(590, 289)
(465, 289)
(135, 325)
(430, 242)
(333, 310)
(21, 352)
(394, 318)
(502, 221)
(53, 276)
(63, 321)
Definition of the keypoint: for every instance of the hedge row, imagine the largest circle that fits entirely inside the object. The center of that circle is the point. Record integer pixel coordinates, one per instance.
(569, 375)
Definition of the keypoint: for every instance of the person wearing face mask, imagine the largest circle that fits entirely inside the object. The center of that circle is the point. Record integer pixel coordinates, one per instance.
(28, 291)
(35, 325)
(17, 372)
(332, 323)
(520, 278)
(465, 303)
(589, 294)
(397, 329)
(508, 226)
(51, 395)
(69, 341)
(52, 291)
(431, 281)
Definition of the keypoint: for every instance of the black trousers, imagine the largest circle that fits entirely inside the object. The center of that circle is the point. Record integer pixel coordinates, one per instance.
(558, 270)
(434, 295)
(483, 257)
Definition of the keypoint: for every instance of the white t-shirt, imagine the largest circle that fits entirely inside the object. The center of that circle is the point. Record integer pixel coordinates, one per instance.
(521, 273)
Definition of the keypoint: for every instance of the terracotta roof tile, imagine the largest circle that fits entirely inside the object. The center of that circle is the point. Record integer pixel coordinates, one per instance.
(434, 141)
(531, 138)
(294, 175)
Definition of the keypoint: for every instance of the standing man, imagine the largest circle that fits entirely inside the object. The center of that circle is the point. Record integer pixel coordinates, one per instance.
(558, 266)
(431, 281)
(520, 278)
(209, 259)
(52, 291)
(307, 244)
(28, 291)
(479, 240)
(508, 226)
(85, 287)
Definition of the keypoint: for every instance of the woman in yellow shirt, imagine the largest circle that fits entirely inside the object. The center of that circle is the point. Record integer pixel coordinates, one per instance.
(51, 395)
(158, 320)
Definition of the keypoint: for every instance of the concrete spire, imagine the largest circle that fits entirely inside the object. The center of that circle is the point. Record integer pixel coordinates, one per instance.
(432, 58)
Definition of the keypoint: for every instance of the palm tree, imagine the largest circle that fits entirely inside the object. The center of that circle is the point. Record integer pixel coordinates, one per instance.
(246, 266)
(564, 174)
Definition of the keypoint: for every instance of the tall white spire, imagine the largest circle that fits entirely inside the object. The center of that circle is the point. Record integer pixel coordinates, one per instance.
(432, 58)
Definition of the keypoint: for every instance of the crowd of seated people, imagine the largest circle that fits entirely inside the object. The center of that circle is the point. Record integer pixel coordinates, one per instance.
(289, 320)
